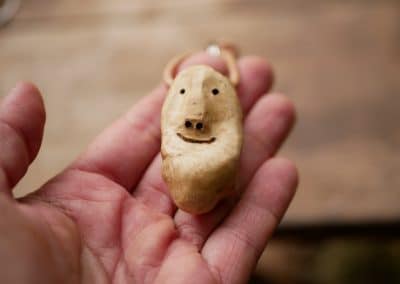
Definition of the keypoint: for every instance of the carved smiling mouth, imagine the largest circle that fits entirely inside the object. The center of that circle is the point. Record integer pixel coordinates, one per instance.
(192, 140)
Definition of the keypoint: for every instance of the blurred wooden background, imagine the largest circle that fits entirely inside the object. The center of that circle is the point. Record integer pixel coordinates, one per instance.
(338, 60)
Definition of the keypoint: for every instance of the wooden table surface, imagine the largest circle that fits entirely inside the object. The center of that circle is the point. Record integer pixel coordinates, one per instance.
(338, 60)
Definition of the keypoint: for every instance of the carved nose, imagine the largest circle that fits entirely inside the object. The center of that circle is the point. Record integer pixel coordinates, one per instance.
(195, 112)
(196, 124)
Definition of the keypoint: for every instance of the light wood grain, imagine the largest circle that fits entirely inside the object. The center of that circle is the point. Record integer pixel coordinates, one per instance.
(338, 60)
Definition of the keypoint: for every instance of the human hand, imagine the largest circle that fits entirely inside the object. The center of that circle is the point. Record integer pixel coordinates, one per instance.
(108, 217)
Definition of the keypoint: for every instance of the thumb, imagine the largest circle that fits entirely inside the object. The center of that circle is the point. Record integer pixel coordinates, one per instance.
(22, 118)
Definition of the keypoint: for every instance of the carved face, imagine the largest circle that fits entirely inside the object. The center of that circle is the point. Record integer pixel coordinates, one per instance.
(201, 127)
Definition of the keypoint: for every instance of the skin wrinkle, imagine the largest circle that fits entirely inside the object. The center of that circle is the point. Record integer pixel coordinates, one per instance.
(82, 242)
(98, 257)
(42, 242)
(119, 243)
(227, 272)
(95, 169)
(197, 237)
(147, 226)
(172, 236)
(22, 136)
(169, 207)
(279, 184)
(13, 180)
(49, 239)
(152, 187)
(71, 214)
(50, 228)
(49, 203)
(243, 235)
(98, 260)
(189, 233)
(265, 147)
(281, 112)
(143, 216)
(254, 202)
(92, 175)
(223, 208)
(5, 178)
(171, 250)
(224, 273)
(111, 246)
(216, 273)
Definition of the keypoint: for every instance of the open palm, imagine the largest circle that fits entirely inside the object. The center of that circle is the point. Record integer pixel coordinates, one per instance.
(108, 217)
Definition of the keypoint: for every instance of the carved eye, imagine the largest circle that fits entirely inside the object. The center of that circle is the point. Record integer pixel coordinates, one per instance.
(182, 91)
(215, 91)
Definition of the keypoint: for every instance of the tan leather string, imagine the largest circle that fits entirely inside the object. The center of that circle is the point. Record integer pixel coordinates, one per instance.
(227, 54)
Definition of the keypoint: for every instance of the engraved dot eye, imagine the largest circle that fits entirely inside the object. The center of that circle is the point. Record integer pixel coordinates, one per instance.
(215, 91)
(182, 91)
(199, 126)
(188, 124)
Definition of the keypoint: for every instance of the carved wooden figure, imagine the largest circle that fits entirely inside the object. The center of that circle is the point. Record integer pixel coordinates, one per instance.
(201, 126)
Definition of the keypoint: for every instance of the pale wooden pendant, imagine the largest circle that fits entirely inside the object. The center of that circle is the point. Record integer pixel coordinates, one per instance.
(202, 134)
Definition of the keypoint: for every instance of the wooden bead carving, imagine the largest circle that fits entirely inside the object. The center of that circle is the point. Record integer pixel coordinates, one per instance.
(202, 135)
